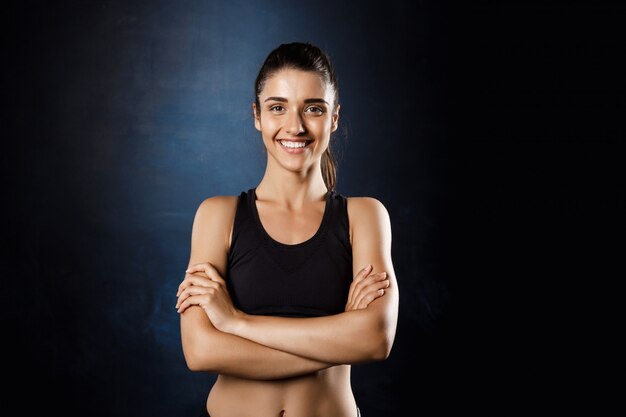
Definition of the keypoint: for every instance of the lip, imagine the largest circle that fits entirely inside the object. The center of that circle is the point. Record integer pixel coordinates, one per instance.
(296, 139)
(294, 151)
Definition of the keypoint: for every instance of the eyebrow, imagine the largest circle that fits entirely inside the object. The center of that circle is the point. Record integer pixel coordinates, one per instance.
(308, 100)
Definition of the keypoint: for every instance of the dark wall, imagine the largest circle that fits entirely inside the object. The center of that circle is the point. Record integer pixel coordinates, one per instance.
(487, 130)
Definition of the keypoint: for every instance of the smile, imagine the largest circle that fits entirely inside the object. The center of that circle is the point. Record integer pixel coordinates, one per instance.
(294, 147)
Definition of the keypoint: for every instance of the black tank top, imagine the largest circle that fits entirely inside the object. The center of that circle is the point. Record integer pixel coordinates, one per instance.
(306, 279)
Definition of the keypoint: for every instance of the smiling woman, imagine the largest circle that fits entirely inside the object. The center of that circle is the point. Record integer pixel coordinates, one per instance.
(290, 282)
(292, 110)
(294, 117)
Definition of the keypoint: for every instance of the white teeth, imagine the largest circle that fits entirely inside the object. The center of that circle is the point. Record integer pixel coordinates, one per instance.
(289, 144)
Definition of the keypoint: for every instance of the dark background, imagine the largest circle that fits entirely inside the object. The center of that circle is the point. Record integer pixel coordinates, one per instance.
(489, 130)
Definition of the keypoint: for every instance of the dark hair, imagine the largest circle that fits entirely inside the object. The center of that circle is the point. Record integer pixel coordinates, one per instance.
(304, 57)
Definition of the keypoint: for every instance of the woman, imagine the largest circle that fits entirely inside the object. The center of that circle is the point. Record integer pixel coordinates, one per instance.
(278, 299)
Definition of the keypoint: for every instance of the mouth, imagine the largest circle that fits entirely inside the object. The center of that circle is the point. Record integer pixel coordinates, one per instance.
(294, 146)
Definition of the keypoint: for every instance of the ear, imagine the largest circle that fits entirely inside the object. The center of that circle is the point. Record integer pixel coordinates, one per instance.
(335, 119)
(257, 120)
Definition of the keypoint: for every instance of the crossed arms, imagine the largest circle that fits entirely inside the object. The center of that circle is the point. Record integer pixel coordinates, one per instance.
(216, 337)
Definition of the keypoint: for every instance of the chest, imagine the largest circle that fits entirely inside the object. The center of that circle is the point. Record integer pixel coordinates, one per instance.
(289, 228)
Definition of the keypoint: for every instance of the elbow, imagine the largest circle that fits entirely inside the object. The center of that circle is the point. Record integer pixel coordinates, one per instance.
(197, 341)
(377, 333)
(384, 334)
(194, 363)
(195, 359)
(382, 349)
(192, 359)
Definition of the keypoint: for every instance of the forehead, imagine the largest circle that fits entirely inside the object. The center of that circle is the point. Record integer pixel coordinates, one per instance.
(292, 83)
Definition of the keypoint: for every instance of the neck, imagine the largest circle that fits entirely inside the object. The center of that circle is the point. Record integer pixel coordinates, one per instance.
(290, 188)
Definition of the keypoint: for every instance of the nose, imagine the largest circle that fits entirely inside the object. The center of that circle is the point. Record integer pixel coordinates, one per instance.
(294, 124)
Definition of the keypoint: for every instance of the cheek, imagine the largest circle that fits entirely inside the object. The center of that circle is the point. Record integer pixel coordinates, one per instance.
(269, 124)
(323, 126)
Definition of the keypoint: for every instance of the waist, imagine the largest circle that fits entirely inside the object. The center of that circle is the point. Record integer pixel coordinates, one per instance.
(325, 392)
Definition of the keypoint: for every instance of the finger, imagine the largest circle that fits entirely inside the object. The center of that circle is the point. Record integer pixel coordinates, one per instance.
(363, 273)
(357, 278)
(193, 280)
(374, 290)
(195, 290)
(367, 300)
(198, 289)
(360, 286)
(183, 285)
(375, 286)
(373, 283)
(198, 300)
(196, 267)
(205, 267)
(379, 276)
(186, 282)
(211, 272)
(369, 297)
(194, 276)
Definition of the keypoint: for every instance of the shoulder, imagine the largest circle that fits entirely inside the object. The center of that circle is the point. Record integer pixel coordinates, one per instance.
(212, 228)
(217, 204)
(367, 214)
(365, 207)
(216, 212)
(210, 232)
(367, 203)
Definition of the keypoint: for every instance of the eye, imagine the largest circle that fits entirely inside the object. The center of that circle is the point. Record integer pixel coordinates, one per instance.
(315, 110)
(277, 108)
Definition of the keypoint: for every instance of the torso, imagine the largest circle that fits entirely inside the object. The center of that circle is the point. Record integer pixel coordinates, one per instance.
(323, 393)
(275, 222)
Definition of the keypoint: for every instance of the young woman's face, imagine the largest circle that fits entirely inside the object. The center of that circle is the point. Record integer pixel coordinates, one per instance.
(296, 107)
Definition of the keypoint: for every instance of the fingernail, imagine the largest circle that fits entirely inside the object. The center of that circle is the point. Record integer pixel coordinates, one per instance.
(384, 274)
(368, 267)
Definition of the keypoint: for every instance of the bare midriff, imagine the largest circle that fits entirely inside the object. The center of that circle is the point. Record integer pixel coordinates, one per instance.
(322, 393)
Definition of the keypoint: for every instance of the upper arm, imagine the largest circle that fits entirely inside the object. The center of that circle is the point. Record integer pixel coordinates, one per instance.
(211, 231)
(371, 243)
(210, 239)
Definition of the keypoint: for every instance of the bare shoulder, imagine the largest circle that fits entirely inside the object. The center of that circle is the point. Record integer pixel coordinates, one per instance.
(360, 208)
(366, 213)
(213, 224)
(218, 205)
(216, 211)
(365, 203)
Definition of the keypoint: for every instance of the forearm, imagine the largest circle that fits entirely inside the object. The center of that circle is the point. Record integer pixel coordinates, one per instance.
(347, 338)
(207, 349)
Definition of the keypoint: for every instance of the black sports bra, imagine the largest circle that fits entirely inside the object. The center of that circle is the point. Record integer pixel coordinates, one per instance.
(307, 279)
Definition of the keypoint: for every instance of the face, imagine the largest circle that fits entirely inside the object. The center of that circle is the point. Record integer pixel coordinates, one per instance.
(296, 109)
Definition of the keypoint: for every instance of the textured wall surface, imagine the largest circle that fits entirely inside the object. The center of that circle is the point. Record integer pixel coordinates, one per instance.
(472, 129)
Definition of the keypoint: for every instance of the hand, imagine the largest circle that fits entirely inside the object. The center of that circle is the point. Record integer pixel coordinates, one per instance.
(210, 293)
(366, 288)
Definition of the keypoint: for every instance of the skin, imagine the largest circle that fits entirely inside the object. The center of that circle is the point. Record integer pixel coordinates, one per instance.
(295, 366)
